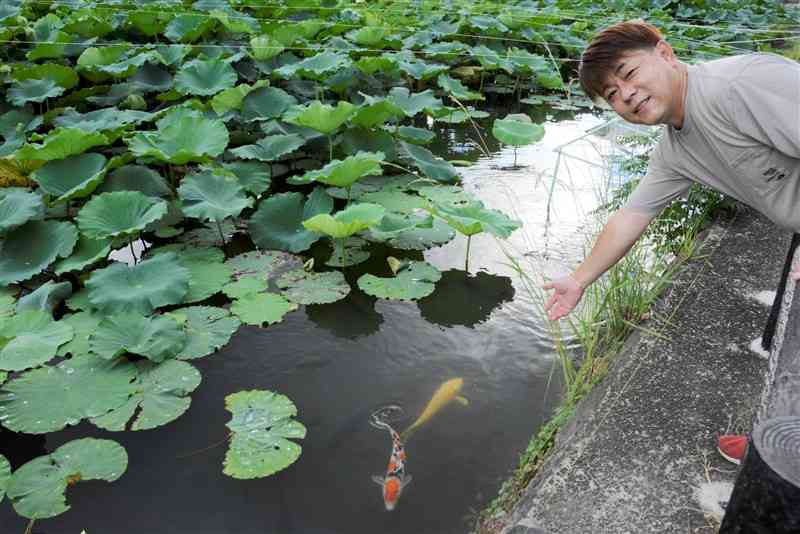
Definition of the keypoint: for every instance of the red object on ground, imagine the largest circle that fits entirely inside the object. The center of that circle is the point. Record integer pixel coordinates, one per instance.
(732, 447)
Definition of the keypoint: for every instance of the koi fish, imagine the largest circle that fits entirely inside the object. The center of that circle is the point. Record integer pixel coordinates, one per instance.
(446, 393)
(396, 479)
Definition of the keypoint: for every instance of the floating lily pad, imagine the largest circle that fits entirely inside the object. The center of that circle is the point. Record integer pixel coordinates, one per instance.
(208, 272)
(151, 283)
(321, 117)
(270, 148)
(211, 197)
(30, 248)
(305, 287)
(346, 222)
(83, 324)
(414, 281)
(160, 396)
(262, 264)
(343, 173)
(183, 135)
(205, 77)
(72, 177)
(207, 329)
(33, 338)
(277, 224)
(262, 426)
(48, 399)
(87, 252)
(431, 166)
(37, 489)
(156, 338)
(262, 308)
(46, 297)
(120, 213)
(474, 218)
(18, 206)
(245, 286)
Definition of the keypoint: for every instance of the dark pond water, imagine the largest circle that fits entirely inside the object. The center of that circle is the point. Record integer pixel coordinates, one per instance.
(340, 362)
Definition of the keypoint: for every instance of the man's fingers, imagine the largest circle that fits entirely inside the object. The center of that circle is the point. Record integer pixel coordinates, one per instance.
(550, 301)
(548, 285)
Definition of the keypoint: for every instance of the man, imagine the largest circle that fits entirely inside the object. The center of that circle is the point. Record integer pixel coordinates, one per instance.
(732, 124)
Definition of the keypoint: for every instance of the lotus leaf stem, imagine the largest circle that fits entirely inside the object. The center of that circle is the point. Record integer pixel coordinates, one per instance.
(330, 148)
(466, 260)
(219, 229)
(515, 157)
(482, 144)
(29, 528)
(133, 253)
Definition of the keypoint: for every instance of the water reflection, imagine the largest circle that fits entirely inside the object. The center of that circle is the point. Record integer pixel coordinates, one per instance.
(350, 318)
(465, 300)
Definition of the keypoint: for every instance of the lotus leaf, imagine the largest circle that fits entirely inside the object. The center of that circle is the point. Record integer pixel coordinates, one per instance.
(346, 222)
(369, 36)
(72, 177)
(265, 47)
(157, 338)
(418, 136)
(261, 308)
(207, 329)
(83, 324)
(210, 197)
(151, 283)
(101, 119)
(456, 89)
(395, 201)
(375, 112)
(262, 426)
(183, 135)
(13, 127)
(119, 213)
(8, 10)
(8, 302)
(270, 148)
(33, 91)
(37, 489)
(277, 224)
(160, 396)
(61, 143)
(46, 297)
(320, 117)
(94, 57)
(151, 78)
(232, 98)
(18, 206)
(136, 178)
(80, 301)
(432, 166)
(253, 176)
(414, 281)
(517, 130)
(314, 66)
(446, 194)
(458, 116)
(235, 21)
(413, 103)
(189, 27)
(422, 238)
(446, 49)
(30, 248)
(207, 270)
(5, 467)
(33, 339)
(305, 287)
(343, 173)
(266, 103)
(474, 218)
(394, 224)
(491, 60)
(51, 41)
(370, 65)
(263, 264)
(205, 77)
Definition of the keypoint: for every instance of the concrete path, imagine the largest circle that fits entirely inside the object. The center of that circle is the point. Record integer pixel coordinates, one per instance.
(640, 455)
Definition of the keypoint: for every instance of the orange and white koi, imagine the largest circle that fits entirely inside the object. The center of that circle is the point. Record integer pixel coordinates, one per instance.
(396, 479)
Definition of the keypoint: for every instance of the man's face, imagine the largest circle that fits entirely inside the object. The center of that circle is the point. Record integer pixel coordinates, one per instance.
(643, 86)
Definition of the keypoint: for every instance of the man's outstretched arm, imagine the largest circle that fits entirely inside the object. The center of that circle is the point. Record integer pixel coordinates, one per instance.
(615, 240)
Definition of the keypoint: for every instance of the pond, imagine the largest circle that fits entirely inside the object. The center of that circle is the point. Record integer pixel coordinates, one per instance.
(341, 362)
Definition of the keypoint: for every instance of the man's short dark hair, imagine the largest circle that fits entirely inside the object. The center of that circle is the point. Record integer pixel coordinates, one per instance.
(608, 47)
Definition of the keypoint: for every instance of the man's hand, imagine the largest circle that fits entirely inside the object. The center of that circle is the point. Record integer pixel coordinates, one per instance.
(568, 293)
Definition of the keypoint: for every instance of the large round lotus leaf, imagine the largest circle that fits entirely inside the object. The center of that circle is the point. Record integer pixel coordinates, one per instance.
(33, 91)
(159, 281)
(263, 264)
(348, 221)
(270, 148)
(394, 201)
(517, 130)
(5, 474)
(315, 66)
(474, 218)
(418, 136)
(210, 197)
(46, 297)
(160, 396)
(136, 178)
(266, 103)
(30, 248)
(207, 329)
(18, 206)
(208, 272)
(38, 488)
(422, 238)
(156, 338)
(245, 286)
(456, 88)
(120, 213)
(232, 98)
(83, 324)
(375, 112)
(49, 398)
(261, 308)
(278, 222)
(188, 27)
(101, 119)
(262, 425)
(305, 287)
(413, 282)
(183, 135)
(61, 143)
(394, 224)
(320, 117)
(63, 76)
(411, 104)
(253, 176)
(33, 338)
(343, 173)
(355, 140)
(205, 77)
(72, 177)
(86, 252)
(264, 47)
(446, 194)
(430, 165)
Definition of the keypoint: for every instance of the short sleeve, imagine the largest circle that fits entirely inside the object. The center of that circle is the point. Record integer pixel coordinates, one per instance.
(657, 189)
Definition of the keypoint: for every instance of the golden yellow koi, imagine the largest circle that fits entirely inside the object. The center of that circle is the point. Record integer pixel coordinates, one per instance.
(446, 393)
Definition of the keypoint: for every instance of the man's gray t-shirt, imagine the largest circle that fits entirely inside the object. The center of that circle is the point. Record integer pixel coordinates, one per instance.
(740, 136)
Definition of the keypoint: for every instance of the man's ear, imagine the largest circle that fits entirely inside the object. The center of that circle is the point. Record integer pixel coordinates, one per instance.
(664, 49)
